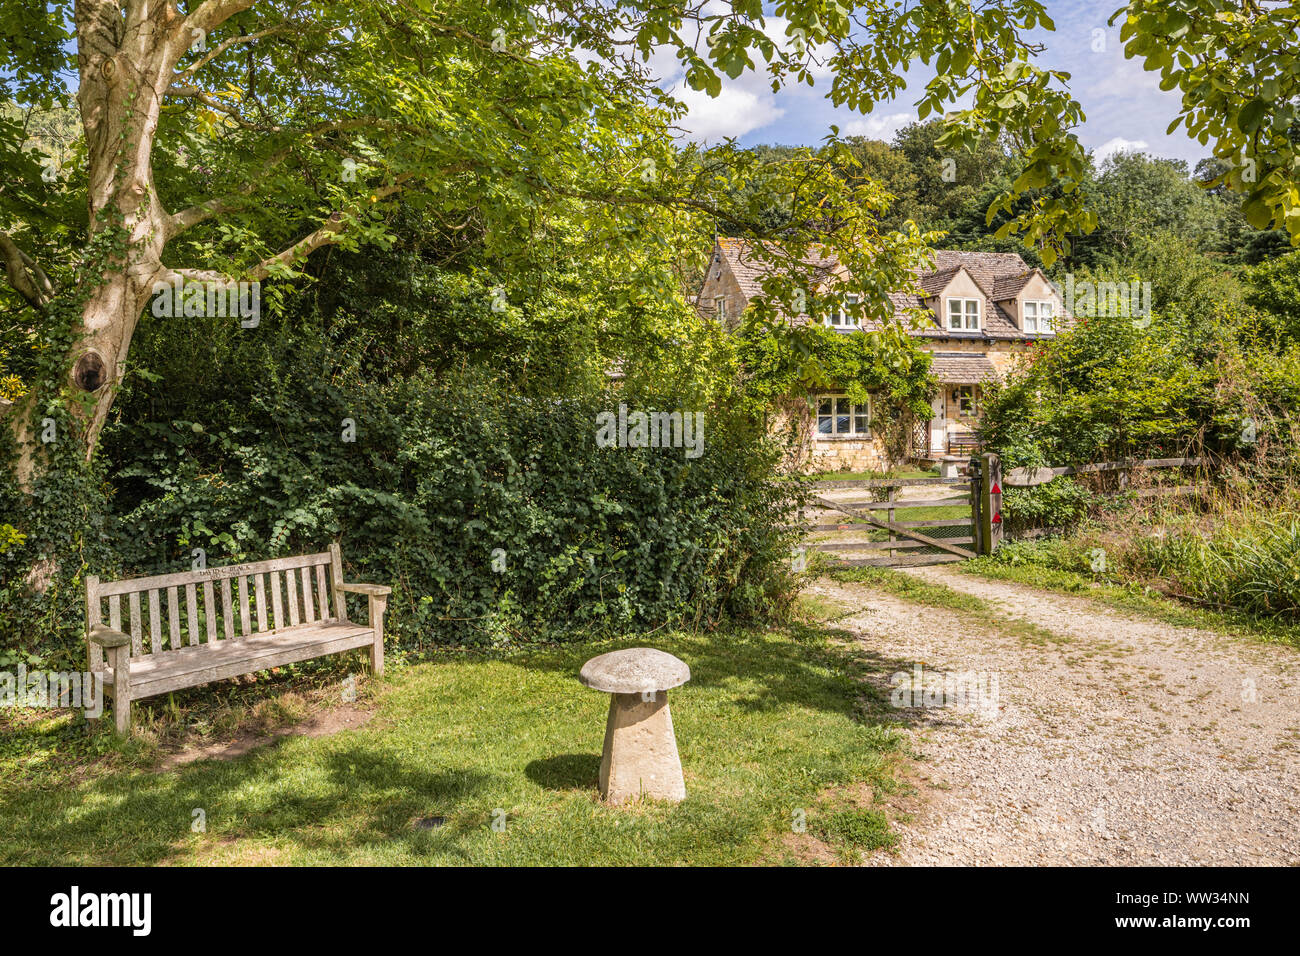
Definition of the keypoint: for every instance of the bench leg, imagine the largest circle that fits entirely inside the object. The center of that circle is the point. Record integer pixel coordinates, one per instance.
(120, 659)
(122, 716)
(378, 604)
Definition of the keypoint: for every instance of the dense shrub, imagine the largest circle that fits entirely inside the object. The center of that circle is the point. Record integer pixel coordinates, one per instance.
(442, 474)
(1058, 504)
(443, 471)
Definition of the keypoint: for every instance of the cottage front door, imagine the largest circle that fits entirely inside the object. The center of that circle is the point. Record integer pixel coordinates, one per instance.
(938, 427)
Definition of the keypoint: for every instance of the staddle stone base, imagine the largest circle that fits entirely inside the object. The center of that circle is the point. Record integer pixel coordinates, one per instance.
(640, 755)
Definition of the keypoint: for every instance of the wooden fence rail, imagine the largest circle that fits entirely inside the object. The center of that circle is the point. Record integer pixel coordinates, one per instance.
(1030, 477)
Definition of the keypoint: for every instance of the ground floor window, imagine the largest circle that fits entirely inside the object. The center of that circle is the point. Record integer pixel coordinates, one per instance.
(836, 415)
(966, 400)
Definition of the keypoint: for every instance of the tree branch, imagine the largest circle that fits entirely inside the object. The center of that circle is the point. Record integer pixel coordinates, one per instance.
(27, 278)
(328, 233)
(212, 13)
(179, 222)
(222, 47)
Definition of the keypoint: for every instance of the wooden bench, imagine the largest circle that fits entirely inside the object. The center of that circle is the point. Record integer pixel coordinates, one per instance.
(233, 630)
(963, 445)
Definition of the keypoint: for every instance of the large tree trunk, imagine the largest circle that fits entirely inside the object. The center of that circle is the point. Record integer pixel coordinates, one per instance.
(126, 65)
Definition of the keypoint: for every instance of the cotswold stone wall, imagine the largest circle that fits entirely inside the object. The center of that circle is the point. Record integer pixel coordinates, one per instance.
(721, 281)
(794, 422)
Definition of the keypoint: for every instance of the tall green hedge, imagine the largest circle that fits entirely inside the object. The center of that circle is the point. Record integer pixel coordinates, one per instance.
(442, 475)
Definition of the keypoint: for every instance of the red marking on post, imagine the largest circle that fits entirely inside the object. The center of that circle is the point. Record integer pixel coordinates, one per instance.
(997, 518)
(997, 490)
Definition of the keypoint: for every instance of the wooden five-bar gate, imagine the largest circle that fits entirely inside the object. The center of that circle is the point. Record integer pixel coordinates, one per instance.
(898, 522)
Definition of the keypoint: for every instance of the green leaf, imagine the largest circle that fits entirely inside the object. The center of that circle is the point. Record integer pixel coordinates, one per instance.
(1252, 114)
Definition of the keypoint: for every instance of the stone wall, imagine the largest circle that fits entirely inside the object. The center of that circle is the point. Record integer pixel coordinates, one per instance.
(721, 281)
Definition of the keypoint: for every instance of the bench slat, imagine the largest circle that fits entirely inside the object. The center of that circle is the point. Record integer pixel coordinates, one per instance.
(173, 618)
(244, 627)
(336, 581)
(294, 618)
(192, 666)
(323, 606)
(227, 619)
(115, 613)
(211, 574)
(137, 645)
(259, 580)
(192, 614)
(155, 623)
(277, 605)
(94, 617)
(210, 611)
(308, 611)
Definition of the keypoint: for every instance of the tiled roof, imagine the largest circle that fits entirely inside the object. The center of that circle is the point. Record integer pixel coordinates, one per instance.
(1008, 287)
(935, 282)
(962, 369)
(748, 266)
(993, 272)
(985, 268)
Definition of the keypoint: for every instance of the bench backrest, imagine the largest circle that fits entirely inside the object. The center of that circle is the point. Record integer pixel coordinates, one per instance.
(169, 611)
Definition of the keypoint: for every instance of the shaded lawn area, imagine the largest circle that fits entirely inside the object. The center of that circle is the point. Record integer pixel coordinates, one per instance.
(771, 723)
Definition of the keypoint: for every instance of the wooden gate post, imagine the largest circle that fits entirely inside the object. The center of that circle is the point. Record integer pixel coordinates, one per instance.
(893, 496)
(990, 503)
(976, 492)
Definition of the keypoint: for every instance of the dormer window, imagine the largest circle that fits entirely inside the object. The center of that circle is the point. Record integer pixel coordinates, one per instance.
(964, 315)
(840, 317)
(1038, 316)
(720, 308)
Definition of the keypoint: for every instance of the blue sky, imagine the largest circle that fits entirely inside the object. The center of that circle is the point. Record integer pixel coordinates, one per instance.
(1124, 105)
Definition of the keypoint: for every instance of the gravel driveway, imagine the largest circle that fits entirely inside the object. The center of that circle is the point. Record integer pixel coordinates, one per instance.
(1126, 741)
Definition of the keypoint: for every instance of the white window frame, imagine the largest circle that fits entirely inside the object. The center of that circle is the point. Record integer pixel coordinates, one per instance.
(964, 314)
(839, 317)
(855, 412)
(973, 412)
(720, 307)
(1040, 327)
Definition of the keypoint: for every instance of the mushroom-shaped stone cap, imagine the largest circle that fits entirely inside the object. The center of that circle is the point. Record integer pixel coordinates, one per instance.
(637, 670)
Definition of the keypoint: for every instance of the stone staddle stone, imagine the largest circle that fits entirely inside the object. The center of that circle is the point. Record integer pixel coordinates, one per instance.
(640, 754)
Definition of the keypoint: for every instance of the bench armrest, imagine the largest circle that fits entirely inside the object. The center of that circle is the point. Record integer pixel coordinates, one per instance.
(108, 638)
(374, 590)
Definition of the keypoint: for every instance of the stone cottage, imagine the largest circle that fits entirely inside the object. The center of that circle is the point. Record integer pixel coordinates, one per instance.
(981, 311)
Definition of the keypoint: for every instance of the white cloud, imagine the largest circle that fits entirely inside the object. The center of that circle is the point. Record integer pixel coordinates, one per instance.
(1114, 76)
(877, 127)
(733, 112)
(1118, 144)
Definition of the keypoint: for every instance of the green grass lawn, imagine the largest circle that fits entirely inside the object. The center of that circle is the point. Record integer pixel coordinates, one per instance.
(772, 723)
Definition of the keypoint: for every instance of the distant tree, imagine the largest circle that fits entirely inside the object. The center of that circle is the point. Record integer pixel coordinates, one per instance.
(1136, 195)
(951, 183)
